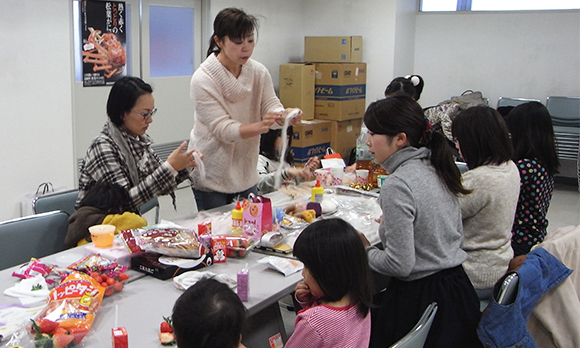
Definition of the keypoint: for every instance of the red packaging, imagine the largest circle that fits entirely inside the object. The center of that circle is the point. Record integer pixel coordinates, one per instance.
(219, 246)
(204, 228)
(120, 338)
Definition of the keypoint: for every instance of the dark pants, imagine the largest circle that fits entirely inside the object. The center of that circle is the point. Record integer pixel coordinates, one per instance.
(208, 200)
(403, 303)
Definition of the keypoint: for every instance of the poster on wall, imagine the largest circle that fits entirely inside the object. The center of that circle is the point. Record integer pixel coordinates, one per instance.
(104, 38)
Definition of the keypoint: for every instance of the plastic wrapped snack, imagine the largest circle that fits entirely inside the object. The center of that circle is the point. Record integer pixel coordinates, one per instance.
(70, 312)
(238, 246)
(167, 241)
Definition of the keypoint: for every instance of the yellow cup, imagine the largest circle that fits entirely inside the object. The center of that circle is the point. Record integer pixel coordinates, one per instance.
(102, 235)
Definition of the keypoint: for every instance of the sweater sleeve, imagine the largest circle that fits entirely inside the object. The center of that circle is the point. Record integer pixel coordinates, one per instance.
(268, 175)
(396, 230)
(474, 202)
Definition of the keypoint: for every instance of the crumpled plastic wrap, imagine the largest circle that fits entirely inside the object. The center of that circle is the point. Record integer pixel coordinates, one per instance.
(174, 242)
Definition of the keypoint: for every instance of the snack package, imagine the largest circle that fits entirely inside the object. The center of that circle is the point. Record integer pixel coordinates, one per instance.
(70, 312)
(238, 246)
(167, 241)
(97, 263)
(52, 273)
(283, 265)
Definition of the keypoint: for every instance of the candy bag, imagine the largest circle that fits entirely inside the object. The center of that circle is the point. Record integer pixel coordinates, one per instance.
(70, 311)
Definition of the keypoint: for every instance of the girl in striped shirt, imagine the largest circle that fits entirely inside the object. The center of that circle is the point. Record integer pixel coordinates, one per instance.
(335, 294)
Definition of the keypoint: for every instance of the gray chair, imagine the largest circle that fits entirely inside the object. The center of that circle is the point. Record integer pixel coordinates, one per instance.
(462, 166)
(417, 336)
(565, 113)
(62, 200)
(153, 203)
(503, 101)
(32, 236)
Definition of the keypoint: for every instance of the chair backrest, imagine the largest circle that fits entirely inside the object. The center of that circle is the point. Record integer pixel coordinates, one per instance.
(565, 111)
(503, 101)
(32, 236)
(62, 200)
(150, 204)
(462, 166)
(418, 334)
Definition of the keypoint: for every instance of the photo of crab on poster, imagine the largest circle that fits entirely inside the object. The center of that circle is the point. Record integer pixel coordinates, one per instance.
(103, 26)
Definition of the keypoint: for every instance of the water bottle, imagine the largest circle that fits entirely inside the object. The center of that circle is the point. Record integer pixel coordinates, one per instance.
(363, 154)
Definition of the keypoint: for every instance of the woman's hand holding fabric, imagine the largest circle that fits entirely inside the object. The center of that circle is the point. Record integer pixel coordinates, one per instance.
(180, 159)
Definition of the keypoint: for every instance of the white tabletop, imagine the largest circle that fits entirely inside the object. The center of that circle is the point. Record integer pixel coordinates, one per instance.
(145, 300)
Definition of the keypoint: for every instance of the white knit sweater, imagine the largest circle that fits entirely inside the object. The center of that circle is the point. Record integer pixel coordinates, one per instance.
(488, 214)
(222, 104)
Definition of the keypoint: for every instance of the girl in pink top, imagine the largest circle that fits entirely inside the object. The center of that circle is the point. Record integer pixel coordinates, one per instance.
(335, 293)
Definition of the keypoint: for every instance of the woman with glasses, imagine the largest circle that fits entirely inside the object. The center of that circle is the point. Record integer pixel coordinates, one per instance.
(122, 152)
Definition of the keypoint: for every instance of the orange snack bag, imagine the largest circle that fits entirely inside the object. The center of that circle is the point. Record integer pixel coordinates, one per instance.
(72, 306)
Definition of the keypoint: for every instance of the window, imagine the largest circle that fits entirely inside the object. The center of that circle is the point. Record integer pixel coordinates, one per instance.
(497, 5)
(172, 57)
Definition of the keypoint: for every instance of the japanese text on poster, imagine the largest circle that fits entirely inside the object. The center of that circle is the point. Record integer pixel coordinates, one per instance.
(104, 39)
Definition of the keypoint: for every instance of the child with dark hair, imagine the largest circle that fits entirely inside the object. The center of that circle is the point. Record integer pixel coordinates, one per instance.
(488, 212)
(336, 290)
(271, 145)
(208, 315)
(532, 136)
(420, 231)
(104, 203)
(410, 85)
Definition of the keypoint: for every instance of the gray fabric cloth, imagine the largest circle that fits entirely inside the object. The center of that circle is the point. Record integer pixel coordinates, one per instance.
(421, 228)
(121, 141)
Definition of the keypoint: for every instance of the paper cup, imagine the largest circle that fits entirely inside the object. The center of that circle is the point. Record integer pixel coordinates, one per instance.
(380, 179)
(102, 235)
(320, 175)
(362, 176)
(337, 175)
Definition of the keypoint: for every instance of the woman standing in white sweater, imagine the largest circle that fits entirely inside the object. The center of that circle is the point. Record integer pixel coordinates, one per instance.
(234, 103)
(488, 212)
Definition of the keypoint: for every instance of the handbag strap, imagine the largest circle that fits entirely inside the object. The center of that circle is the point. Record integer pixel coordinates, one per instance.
(46, 187)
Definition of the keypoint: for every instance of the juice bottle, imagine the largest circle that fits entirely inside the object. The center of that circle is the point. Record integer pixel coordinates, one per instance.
(377, 169)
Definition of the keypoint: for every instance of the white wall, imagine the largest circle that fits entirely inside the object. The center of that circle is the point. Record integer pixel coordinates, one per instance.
(510, 54)
(35, 99)
(283, 25)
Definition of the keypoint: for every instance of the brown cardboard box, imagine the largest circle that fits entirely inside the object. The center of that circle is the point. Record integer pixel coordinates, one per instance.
(340, 91)
(343, 135)
(310, 139)
(333, 49)
(297, 87)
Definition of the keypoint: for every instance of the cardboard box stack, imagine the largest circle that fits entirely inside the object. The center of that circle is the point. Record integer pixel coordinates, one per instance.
(310, 139)
(297, 87)
(329, 87)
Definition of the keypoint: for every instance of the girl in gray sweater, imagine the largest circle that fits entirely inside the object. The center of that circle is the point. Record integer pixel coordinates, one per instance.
(420, 231)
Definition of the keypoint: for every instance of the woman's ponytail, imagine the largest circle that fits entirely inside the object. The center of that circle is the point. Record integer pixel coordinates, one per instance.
(442, 160)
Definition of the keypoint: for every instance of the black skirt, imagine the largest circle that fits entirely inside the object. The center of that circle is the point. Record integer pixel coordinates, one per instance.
(403, 303)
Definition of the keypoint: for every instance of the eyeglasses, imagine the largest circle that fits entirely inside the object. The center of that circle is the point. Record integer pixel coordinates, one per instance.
(147, 114)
